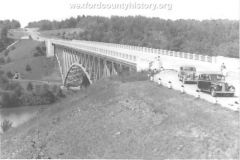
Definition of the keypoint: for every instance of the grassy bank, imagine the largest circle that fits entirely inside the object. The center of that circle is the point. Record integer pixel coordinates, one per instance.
(120, 119)
(42, 68)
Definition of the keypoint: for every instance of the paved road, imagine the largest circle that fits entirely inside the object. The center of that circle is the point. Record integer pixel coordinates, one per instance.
(171, 75)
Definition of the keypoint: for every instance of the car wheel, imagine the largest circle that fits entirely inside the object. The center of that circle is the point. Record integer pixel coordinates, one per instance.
(213, 92)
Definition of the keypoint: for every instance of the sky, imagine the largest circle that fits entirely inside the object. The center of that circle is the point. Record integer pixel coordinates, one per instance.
(27, 11)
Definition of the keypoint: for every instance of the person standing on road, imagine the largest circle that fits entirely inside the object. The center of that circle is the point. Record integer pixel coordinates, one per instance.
(223, 67)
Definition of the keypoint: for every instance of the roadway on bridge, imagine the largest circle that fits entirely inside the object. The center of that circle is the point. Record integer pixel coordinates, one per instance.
(172, 76)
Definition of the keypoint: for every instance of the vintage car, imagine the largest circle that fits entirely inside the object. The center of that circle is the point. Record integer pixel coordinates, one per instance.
(187, 74)
(214, 83)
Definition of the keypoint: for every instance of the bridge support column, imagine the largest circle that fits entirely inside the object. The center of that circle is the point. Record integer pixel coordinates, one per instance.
(106, 72)
(50, 48)
(64, 63)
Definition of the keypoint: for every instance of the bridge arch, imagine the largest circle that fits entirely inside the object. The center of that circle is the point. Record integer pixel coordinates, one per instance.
(83, 69)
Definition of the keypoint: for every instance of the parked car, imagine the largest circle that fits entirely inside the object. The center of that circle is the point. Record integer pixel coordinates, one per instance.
(214, 83)
(187, 74)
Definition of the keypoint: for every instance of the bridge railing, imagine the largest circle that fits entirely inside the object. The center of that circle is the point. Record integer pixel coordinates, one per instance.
(203, 58)
(128, 57)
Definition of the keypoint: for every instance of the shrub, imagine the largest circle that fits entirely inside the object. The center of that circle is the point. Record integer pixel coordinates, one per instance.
(6, 52)
(44, 48)
(10, 100)
(37, 89)
(43, 53)
(3, 81)
(2, 61)
(1, 72)
(38, 49)
(10, 74)
(18, 91)
(54, 89)
(29, 86)
(28, 68)
(8, 60)
(36, 54)
(13, 48)
(13, 86)
(60, 93)
(45, 88)
(47, 98)
(6, 125)
(127, 76)
(6, 100)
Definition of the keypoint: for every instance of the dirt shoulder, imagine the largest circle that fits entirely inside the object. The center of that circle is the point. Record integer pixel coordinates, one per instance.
(127, 120)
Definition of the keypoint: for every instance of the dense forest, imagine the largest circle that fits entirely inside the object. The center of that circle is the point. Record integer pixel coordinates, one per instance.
(208, 37)
(4, 27)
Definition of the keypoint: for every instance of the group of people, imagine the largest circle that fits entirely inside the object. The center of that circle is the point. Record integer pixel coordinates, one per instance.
(154, 71)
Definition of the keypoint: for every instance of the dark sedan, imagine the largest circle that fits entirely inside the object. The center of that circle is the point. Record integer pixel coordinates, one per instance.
(215, 84)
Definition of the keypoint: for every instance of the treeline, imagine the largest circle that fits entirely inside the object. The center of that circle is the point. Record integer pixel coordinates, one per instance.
(4, 27)
(13, 24)
(208, 37)
(14, 95)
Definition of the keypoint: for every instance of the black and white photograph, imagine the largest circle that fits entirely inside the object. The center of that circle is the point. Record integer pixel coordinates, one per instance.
(119, 80)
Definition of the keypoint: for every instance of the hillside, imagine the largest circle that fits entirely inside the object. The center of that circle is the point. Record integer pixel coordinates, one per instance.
(67, 32)
(42, 68)
(219, 37)
(17, 33)
(113, 119)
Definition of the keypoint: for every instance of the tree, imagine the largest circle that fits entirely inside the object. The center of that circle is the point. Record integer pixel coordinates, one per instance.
(54, 89)
(28, 68)
(18, 92)
(6, 52)
(8, 60)
(6, 125)
(13, 48)
(44, 48)
(29, 86)
(1, 72)
(37, 89)
(9, 74)
(6, 99)
(15, 24)
(12, 86)
(59, 92)
(207, 37)
(4, 33)
(3, 81)
(2, 61)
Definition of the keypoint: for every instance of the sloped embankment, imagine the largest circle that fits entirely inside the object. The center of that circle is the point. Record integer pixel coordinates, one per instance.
(127, 120)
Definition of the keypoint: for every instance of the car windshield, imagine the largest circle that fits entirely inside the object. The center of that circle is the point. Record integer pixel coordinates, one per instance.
(216, 77)
(189, 69)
